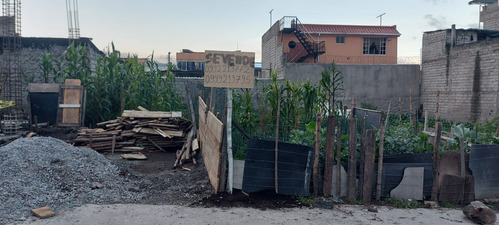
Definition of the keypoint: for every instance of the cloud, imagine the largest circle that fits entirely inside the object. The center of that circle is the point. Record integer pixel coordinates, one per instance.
(437, 22)
(435, 2)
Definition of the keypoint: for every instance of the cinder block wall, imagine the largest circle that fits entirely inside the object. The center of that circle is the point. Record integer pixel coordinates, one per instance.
(30, 58)
(466, 76)
(373, 84)
(489, 16)
(272, 52)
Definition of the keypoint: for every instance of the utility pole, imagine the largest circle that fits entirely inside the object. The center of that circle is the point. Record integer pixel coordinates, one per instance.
(271, 18)
(380, 16)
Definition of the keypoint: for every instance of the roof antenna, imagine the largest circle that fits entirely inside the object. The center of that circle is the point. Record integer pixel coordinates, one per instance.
(380, 16)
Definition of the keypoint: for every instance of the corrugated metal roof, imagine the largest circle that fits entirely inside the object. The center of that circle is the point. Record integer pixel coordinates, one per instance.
(352, 29)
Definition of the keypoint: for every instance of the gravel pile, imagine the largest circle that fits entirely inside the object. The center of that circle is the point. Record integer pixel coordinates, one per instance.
(43, 171)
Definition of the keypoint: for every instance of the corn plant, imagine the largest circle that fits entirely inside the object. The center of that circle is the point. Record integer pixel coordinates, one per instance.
(310, 100)
(331, 83)
(77, 64)
(143, 85)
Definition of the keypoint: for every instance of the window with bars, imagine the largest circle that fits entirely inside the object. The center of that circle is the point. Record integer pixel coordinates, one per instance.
(374, 46)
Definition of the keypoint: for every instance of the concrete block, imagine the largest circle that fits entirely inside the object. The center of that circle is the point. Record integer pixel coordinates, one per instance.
(411, 186)
(238, 169)
(343, 182)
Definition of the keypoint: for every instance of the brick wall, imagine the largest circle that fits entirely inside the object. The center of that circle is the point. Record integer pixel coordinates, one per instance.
(466, 76)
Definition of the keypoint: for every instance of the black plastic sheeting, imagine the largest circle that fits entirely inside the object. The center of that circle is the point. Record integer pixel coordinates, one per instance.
(294, 167)
(394, 166)
(483, 161)
(392, 175)
(409, 158)
(44, 106)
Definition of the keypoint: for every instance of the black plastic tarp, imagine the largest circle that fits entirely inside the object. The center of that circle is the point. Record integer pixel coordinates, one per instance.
(294, 167)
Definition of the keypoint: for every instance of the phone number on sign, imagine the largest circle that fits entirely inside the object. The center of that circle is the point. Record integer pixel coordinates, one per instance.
(227, 79)
(227, 69)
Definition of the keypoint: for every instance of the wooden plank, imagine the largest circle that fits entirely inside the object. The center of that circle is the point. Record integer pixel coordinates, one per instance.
(137, 156)
(435, 162)
(339, 155)
(380, 163)
(44, 212)
(369, 165)
(107, 122)
(362, 148)
(316, 154)
(150, 114)
(462, 157)
(82, 139)
(133, 148)
(330, 143)
(352, 155)
(72, 94)
(171, 133)
(211, 134)
(237, 74)
(113, 144)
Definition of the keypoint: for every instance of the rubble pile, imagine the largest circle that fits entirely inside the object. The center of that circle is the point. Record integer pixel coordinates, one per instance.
(43, 171)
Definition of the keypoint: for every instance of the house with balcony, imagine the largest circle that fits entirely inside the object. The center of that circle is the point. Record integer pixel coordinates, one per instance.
(291, 41)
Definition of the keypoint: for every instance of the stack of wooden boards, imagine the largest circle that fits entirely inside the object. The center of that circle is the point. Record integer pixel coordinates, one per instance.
(137, 130)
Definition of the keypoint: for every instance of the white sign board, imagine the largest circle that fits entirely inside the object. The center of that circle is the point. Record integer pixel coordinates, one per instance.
(229, 69)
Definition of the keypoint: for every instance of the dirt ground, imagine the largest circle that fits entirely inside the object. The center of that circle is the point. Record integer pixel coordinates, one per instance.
(175, 196)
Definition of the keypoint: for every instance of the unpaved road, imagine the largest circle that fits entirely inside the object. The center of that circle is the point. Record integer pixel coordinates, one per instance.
(169, 214)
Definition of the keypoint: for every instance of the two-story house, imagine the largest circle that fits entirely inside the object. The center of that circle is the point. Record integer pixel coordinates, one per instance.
(290, 41)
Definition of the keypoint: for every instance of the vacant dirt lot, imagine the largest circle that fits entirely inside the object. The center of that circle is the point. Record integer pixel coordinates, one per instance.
(174, 196)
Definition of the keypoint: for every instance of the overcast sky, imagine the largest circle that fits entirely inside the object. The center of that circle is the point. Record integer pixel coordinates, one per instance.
(163, 26)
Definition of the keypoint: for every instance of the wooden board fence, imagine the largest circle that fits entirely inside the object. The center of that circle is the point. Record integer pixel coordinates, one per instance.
(211, 134)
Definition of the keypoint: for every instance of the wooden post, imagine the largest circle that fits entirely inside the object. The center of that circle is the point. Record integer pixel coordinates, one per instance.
(113, 144)
(352, 155)
(369, 164)
(400, 101)
(462, 157)
(316, 155)
(435, 161)
(330, 145)
(411, 107)
(353, 104)
(437, 107)
(380, 163)
(362, 149)
(425, 121)
(211, 103)
(339, 155)
(388, 115)
(276, 145)
(229, 140)
(122, 98)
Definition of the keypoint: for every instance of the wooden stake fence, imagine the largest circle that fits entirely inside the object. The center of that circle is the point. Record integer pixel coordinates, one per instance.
(352, 155)
(330, 144)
